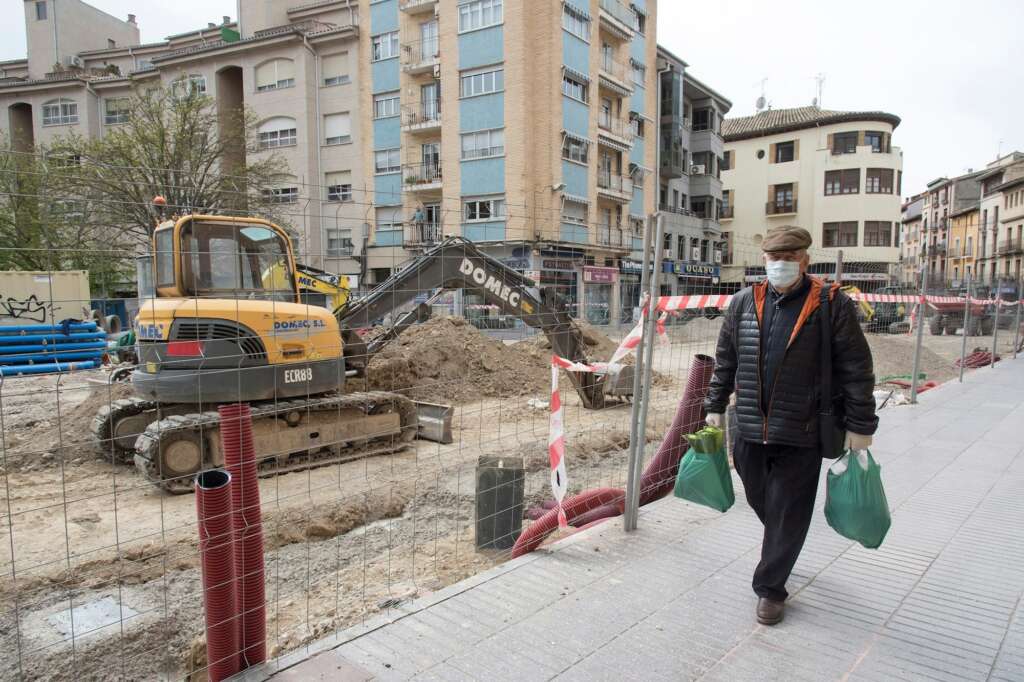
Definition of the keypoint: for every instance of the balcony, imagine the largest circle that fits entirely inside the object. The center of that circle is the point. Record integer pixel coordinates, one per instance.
(422, 177)
(616, 18)
(937, 250)
(421, 56)
(1010, 246)
(616, 130)
(422, 117)
(726, 213)
(611, 235)
(616, 76)
(780, 207)
(618, 188)
(422, 234)
(417, 6)
(343, 250)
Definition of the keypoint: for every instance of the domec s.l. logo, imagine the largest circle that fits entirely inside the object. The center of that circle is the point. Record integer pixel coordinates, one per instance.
(150, 331)
(489, 282)
(298, 325)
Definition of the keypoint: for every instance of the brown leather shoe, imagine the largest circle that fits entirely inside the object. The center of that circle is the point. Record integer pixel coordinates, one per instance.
(769, 611)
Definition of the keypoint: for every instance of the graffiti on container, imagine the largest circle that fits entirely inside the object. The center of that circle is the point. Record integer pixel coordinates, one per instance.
(30, 308)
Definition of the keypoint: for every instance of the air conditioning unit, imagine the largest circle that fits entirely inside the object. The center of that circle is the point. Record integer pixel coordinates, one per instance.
(437, 70)
(695, 253)
(75, 61)
(718, 256)
(698, 169)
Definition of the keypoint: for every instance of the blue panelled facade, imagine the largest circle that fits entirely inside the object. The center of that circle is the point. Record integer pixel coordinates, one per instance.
(384, 75)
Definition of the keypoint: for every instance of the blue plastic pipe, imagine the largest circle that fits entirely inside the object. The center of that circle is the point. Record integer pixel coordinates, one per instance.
(48, 368)
(40, 348)
(51, 338)
(49, 357)
(28, 328)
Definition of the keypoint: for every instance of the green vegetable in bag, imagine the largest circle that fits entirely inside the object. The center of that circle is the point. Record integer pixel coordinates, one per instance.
(708, 440)
(704, 477)
(855, 504)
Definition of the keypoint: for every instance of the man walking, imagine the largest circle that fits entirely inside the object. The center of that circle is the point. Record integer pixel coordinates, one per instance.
(769, 352)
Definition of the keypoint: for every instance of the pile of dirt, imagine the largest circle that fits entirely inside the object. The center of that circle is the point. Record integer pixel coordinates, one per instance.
(597, 346)
(447, 359)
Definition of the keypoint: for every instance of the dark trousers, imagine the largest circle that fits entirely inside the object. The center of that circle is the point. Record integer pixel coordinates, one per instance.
(781, 483)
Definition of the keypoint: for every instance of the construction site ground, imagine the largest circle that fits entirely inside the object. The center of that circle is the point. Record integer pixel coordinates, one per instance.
(941, 599)
(100, 570)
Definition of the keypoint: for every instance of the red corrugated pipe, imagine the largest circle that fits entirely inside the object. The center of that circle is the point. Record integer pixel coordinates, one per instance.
(216, 550)
(240, 461)
(575, 506)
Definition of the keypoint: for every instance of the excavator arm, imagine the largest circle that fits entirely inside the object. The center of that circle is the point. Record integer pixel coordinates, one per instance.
(456, 263)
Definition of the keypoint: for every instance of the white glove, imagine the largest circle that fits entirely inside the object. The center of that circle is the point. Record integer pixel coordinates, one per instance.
(714, 419)
(855, 441)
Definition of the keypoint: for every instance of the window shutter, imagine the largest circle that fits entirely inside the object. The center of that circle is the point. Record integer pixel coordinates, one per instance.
(796, 150)
(771, 192)
(829, 141)
(771, 153)
(266, 75)
(285, 69)
(860, 138)
(337, 125)
(339, 178)
(335, 65)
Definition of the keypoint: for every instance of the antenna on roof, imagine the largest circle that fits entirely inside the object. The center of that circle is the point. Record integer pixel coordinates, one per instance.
(820, 80)
(762, 101)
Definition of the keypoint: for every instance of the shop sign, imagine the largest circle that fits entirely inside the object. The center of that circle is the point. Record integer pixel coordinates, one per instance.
(631, 267)
(596, 275)
(517, 263)
(552, 264)
(697, 270)
(667, 266)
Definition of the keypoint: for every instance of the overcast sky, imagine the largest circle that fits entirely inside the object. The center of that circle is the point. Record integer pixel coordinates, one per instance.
(949, 69)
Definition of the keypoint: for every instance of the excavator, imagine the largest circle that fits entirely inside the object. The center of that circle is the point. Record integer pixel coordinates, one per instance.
(226, 324)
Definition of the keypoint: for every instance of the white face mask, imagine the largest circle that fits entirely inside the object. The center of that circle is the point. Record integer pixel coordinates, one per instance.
(782, 273)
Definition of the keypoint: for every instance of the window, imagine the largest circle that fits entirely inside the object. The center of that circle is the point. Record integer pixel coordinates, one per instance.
(575, 149)
(275, 75)
(637, 124)
(111, 43)
(479, 14)
(491, 208)
(879, 233)
(842, 181)
(337, 128)
(899, 182)
(40, 11)
(639, 21)
(702, 119)
(726, 161)
(785, 152)
(279, 131)
(574, 212)
(385, 46)
(339, 186)
(282, 195)
(577, 89)
(639, 72)
(726, 211)
(483, 82)
(115, 110)
(386, 161)
(840, 234)
(784, 197)
(844, 143)
(60, 112)
(334, 68)
(339, 242)
(575, 22)
(878, 181)
(186, 86)
(386, 105)
(483, 143)
(875, 140)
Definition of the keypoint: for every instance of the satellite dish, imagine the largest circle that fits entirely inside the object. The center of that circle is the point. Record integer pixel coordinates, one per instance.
(760, 103)
(814, 102)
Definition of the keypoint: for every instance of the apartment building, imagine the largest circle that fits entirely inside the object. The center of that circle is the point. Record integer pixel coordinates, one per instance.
(961, 250)
(526, 127)
(944, 197)
(691, 160)
(999, 235)
(912, 239)
(835, 173)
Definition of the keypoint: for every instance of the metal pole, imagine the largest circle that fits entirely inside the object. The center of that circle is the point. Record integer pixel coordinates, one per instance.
(922, 306)
(967, 327)
(647, 347)
(1016, 324)
(635, 452)
(995, 328)
(839, 266)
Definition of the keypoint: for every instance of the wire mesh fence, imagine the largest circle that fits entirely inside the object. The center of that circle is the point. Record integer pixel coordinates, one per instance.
(401, 408)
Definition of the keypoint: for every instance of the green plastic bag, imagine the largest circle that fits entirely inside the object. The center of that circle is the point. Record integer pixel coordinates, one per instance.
(855, 504)
(704, 478)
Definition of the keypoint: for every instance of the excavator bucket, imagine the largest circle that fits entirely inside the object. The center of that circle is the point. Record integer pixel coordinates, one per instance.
(619, 380)
(435, 422)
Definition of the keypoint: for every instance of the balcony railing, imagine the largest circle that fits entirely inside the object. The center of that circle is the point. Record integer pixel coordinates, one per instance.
(726, 213)
(417, 6)
(780, 207)
(422, 234)
(617, 127)
(610, 235)
(937, 250)
(617, 186)
(618, 72)
(425, 115)
(675, 209)
(1010, 246)
(620, 13)
(421, 176)
(421, 55)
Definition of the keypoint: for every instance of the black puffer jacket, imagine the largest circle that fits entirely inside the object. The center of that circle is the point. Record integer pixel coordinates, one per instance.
(791, 417)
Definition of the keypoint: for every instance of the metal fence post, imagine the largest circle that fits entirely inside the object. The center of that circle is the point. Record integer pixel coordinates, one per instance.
(967, 328)
(638, 444)
(922, 306)
(647, 261)
(1016, 323)
(995, 329)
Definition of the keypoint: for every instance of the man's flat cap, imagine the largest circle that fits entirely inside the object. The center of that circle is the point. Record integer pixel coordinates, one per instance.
(786, 238)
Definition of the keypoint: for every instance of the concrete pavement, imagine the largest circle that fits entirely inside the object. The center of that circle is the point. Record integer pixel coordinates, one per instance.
(940, 600)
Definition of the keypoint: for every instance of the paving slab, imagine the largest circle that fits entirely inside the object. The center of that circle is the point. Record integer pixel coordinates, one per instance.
(940, 600)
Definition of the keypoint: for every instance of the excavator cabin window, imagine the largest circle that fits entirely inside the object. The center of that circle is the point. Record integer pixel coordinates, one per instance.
(237, 261)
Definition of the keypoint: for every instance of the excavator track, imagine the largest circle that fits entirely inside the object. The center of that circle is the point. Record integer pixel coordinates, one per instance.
(165, 444)
(118, 424)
